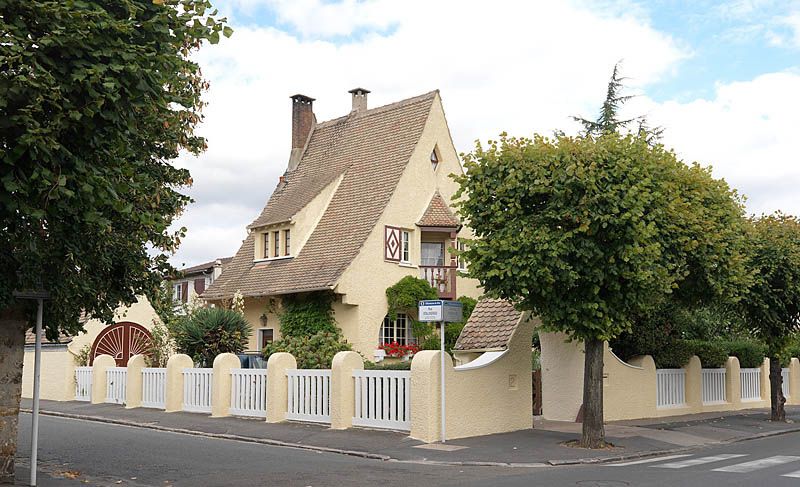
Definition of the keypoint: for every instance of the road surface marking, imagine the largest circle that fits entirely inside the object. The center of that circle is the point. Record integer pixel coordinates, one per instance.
(757, 464)
(699, 461)
(793, 474)
(648, 460)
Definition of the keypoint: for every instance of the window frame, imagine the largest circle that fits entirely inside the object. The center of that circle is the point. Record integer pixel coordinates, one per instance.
(287, 241)
(260, 333)
(392, 325)
(177, 292)
(266, 245)
(276, 243)
(461, 264)
(405, 246)
(435, 159)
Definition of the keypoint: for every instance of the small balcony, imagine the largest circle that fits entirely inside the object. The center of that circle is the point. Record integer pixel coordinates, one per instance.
(442, 278)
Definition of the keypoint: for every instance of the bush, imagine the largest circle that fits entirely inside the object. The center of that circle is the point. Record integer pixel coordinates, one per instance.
(307, 314)
(311, 352)
(790, 351)
(387, 366)
(711, 354)
(208, 332)
(750, 354)
(405, 295)
(673, 356)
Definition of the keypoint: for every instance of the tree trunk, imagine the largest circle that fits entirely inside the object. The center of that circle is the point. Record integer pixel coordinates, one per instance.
(777, 411)
(12, 352)
(593, 430)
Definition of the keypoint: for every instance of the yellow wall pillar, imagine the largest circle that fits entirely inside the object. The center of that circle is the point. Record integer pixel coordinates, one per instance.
(426, 396)
(133, 385)
(562, 377)
(794, 382)
(221, 384)
(343, 402)
(277, 384)
(733, 383)
(694, 383)
(765, 389)
(173, 398)
(100, 366)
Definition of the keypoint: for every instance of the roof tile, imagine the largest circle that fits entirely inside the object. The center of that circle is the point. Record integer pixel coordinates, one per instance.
(491, 325)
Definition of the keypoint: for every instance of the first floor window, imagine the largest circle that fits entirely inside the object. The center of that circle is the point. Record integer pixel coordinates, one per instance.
(462, 264)
(432, 254)
(177, 294)
(398, 330)
(406, 246)
(266, 245)
(277, 244)
(286, 241)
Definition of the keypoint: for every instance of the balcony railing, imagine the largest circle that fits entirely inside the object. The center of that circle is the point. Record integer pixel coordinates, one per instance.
(442, 278)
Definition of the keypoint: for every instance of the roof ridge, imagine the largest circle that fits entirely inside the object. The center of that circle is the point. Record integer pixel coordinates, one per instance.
(379, 109)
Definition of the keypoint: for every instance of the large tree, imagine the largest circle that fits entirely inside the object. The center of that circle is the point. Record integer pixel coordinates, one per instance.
(591, 232)
(96, 98)
(771, 305)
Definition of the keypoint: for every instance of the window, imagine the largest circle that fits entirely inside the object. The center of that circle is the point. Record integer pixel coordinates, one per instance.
(434, 159)
(462, 264)
(277, 244)
(398, 330)
(265, 337)
(286, 241)
(432, 254)
(177, 294)
(266, 245)
(406, 247)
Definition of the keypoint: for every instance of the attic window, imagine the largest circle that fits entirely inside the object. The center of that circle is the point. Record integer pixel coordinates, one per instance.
(434, 159)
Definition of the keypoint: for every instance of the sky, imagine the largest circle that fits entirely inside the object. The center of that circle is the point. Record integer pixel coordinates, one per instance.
(721, 78)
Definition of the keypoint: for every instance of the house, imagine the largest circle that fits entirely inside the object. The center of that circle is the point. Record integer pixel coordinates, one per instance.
(191, 282)
(365, 200)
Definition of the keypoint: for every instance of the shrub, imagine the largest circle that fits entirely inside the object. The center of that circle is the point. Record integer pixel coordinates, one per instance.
(405, 295)
(750, 354)
(790, 351)
(208, 332)
(711, 354)
(161, 346)
(307, 314)
(674, 355)
(311, 352)
(387, 366)
(82, 358)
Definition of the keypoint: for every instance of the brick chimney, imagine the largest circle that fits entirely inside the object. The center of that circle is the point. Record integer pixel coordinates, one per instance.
(303, 121)
(359, 99)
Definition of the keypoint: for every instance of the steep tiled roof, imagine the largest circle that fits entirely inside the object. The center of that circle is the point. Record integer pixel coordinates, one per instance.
(30, 339)
(369, 150)
(491, 325)
(438, 214)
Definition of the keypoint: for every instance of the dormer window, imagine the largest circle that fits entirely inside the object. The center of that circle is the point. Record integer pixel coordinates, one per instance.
(434, 159)
(286, 241)
(266, 245)
(273, 243)
(276, 249)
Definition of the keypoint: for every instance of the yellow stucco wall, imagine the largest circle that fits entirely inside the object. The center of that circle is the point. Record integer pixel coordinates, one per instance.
(58, 363)
(495, 398)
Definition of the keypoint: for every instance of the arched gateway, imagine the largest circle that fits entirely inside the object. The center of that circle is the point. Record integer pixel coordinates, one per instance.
(122, 341)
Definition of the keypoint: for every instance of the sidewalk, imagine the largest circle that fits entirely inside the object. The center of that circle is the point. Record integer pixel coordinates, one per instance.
(541, 446)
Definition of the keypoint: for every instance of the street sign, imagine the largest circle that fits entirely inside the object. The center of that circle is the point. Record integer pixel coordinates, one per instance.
(440, 310)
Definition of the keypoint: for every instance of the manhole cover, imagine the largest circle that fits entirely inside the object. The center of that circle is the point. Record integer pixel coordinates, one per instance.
(602, 483)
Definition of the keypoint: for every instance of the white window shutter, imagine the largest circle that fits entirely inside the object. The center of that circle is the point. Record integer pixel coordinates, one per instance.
(391, 244)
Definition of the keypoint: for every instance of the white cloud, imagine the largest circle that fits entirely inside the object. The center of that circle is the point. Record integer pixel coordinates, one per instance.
(514, 66)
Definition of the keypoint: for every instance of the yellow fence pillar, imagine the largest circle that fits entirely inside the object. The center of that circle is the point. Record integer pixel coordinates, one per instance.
(133, 385)
(425, 396)
(221, 384)
(277, 383)
(100, 365)
(173, 398)
(794, 382)
(733, 383)
(343, 402)
(765, 388)
(694, 383)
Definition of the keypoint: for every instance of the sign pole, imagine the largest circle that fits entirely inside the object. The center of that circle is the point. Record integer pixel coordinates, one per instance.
(441, 366)
(37, 368)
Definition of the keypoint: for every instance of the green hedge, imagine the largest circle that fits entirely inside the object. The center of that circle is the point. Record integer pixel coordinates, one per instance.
(311, 352)
(387, 366)
(674, 355)
(711, 354)
(750, 354)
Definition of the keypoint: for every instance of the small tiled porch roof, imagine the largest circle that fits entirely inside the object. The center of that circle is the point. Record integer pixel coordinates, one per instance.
(490, 327)
(438, 214)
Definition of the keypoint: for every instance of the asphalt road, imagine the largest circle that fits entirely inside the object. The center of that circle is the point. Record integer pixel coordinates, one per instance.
(103, 454)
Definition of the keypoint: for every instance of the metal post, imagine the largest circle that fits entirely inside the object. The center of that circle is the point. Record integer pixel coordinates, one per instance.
(37, 368)
(441, 366)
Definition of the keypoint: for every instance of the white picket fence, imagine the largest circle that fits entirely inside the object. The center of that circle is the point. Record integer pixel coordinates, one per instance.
(197, 390)
(785, 383)
(154, 387)
(383, 399)
(670, 388)
(713, 386)
(249, 392)
(309, 395)
(83, 383)
(751, 384)
(116, 384)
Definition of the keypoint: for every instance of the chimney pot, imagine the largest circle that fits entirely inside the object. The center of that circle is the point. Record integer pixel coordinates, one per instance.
(359, 99)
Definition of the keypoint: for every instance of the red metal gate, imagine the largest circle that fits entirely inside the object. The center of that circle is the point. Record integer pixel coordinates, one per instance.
(121, 341)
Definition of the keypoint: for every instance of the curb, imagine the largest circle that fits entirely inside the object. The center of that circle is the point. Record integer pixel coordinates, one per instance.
(387, 458)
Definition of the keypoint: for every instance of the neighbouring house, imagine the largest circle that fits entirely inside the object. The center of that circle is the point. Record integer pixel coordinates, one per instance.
(191, 282)
(365, 200)
(126, 335)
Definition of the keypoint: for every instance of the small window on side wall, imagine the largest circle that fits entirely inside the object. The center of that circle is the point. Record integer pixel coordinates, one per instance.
(265, 337)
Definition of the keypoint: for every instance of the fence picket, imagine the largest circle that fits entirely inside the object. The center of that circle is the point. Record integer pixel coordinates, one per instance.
(383, 399)
(249, 392)
(785, 383)
(154, 387)
(83, 383)
(670, 388)
(309, 395)
(713, 386)
(116, 379)
(751, 384)
(197, 390)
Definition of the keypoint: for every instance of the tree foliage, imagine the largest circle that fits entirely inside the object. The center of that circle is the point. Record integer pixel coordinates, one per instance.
(208, 332)
(95, 99)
